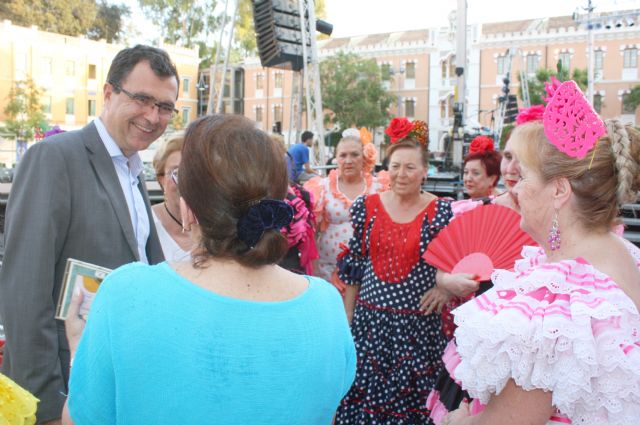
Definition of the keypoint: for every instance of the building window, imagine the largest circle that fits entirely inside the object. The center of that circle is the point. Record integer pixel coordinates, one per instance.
(502, 65)
(185, 116)
(46, 104)
(410, 108)
(630, 58)
(70, 106)
(443, 110)
(185, 86)
(444, 70)
(598, 57)
(450, 106)
(452, 66)
(259, 114)
(410, 70)
(565, 60)
(597, 102)
(277, 113)
(278, 80)
(47, 66)
(91, 107)
(532, 63)
(259, 82)
(627, 107)
(70, 69)
(92, 72)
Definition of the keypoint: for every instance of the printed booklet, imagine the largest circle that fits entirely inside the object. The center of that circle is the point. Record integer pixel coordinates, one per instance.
(87, 277)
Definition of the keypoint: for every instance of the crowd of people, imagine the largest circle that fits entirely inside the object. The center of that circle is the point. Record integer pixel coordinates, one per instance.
(261, 292)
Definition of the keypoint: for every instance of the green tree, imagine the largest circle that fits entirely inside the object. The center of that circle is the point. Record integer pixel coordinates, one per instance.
(70, 17)
(23, 110)
(633, 98)
(352, 89)
(537, 92)
(183, 22)
(109, 23)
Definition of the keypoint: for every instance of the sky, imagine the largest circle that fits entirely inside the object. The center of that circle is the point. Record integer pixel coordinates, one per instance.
(357, 17)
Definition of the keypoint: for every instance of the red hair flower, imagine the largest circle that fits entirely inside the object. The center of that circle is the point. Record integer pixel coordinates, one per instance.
(398, 129)
(534, 113)
(481, 144)
(401, 128)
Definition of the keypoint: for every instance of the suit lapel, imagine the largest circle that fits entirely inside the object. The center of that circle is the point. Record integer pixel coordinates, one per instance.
(106, 174)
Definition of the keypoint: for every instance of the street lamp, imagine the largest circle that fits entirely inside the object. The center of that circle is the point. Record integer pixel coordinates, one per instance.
(393, 72)
(202, 86)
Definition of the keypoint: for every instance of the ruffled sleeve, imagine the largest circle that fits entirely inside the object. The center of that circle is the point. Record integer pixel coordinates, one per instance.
(317, 186)
(353, 258)
(562, 327)
(383, 181)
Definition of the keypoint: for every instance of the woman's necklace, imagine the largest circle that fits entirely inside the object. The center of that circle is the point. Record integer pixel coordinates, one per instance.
(171, 215)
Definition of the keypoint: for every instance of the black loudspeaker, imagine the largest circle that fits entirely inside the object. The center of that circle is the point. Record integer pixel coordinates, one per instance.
(511, 111)
(278, 36)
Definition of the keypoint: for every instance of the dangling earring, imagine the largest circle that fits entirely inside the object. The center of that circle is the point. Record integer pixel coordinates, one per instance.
(554, 234)
(424, 180)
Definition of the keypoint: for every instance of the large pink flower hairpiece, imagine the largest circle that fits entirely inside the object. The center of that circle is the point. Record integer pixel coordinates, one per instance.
(570, 122)
(551, 87)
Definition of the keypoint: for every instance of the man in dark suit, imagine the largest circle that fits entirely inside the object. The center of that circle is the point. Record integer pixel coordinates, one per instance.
(80, 195)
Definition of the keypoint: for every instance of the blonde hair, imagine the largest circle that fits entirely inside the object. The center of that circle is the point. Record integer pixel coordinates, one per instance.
(173, 144)
(605, 178)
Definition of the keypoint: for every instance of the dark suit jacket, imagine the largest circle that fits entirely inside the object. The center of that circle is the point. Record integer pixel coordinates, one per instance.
(65, 202)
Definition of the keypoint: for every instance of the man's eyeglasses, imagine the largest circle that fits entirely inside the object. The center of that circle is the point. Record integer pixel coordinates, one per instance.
(144, 101)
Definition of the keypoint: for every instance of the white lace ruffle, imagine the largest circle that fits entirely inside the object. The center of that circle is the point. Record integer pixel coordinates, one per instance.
(561, 327)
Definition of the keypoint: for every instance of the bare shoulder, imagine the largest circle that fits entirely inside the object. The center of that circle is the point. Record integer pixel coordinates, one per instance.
(619, 265)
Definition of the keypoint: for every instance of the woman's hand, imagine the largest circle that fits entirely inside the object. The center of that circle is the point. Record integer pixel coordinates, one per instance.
(434, 299)
(457, 415)
(74, 324)
(459, 284)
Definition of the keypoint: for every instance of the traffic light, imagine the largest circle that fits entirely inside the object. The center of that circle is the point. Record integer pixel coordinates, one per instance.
(511, 110)
(278, 34)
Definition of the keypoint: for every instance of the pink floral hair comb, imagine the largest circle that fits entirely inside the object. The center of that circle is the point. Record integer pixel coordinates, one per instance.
(570, 122)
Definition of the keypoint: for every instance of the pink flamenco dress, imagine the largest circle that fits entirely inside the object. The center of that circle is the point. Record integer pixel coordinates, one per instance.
(563, 327)
(331, 208)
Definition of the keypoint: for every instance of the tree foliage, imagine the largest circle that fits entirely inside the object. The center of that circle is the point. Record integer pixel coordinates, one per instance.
(109, 23)
(23, 110)
(70, 17)
(633, 98)
(352, 88)
(182, 22)
(537, 92)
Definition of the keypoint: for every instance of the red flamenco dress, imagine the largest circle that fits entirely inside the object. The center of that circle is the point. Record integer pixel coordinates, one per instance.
(399, 348)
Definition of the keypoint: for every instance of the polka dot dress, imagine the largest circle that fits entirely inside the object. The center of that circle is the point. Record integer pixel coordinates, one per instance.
(399, 348)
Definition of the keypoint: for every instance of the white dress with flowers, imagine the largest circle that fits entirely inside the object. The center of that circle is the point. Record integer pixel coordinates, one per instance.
(563, 327)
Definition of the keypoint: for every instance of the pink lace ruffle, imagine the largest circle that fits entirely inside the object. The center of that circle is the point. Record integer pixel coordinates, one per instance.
(563, 327)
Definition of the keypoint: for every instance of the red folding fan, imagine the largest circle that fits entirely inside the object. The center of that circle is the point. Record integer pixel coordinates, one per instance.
(485, 238)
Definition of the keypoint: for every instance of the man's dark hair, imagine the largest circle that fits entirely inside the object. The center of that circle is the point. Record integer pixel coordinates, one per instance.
(306, 136)
(128, 58)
